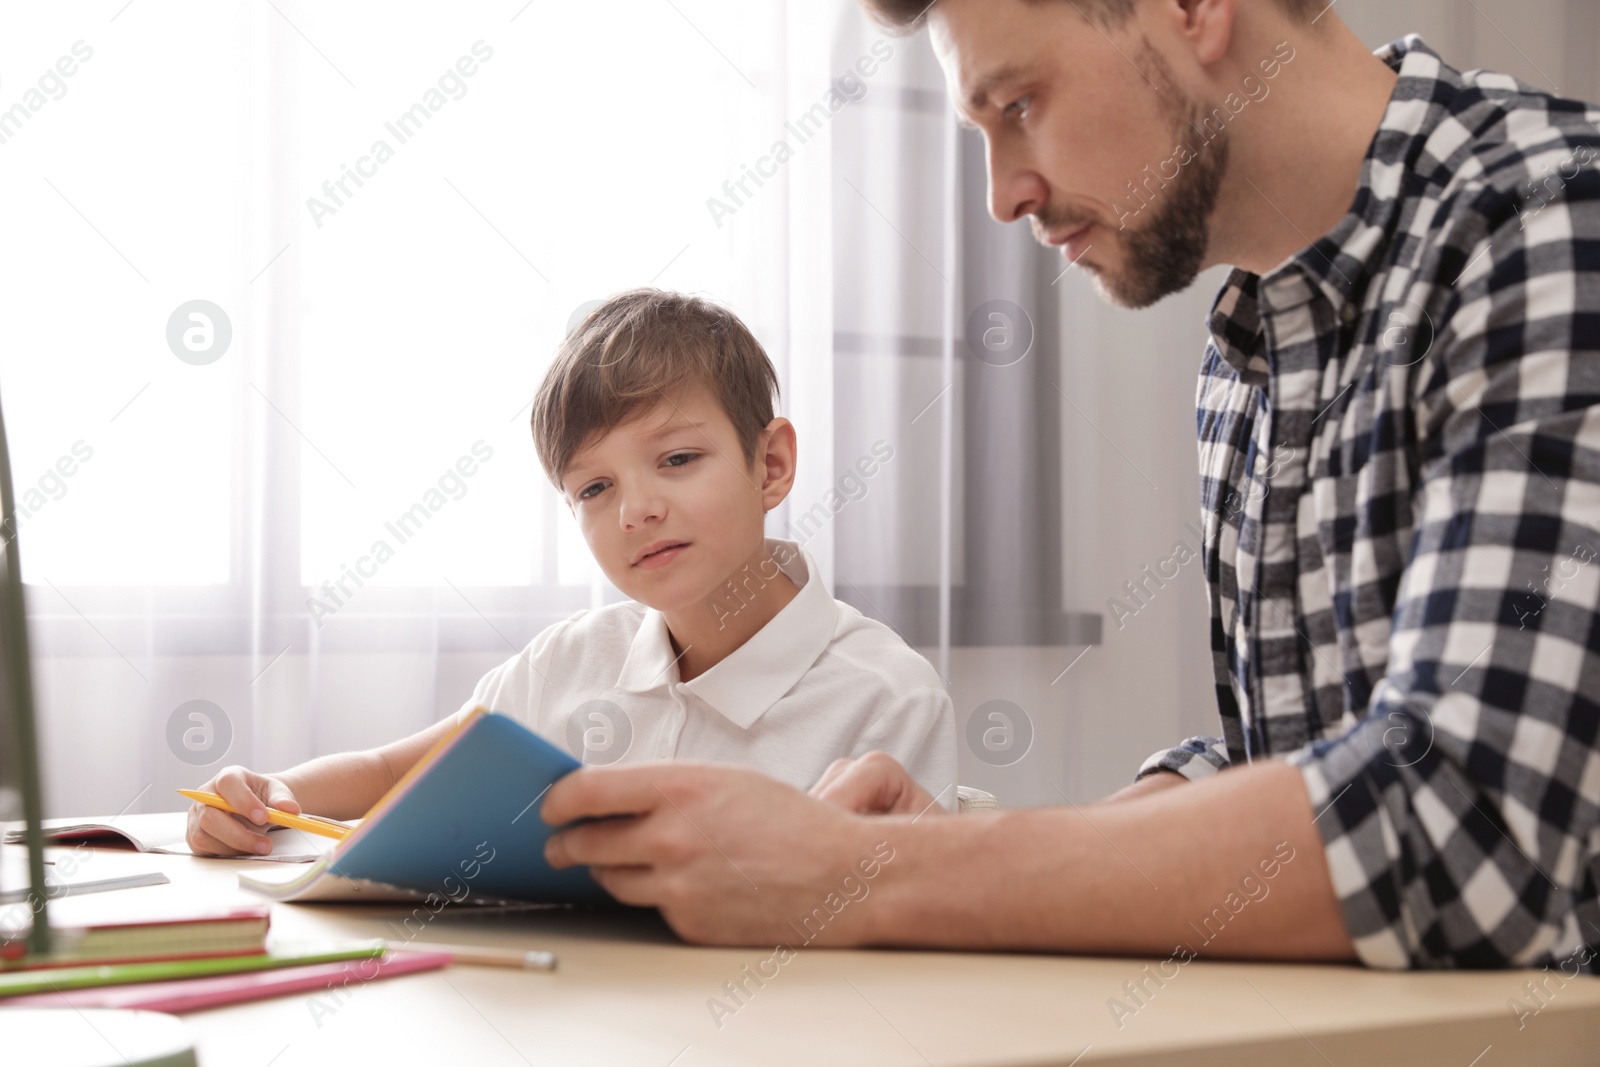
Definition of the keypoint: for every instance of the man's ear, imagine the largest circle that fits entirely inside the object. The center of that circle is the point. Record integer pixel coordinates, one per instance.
(776, 460)
(1206, 27)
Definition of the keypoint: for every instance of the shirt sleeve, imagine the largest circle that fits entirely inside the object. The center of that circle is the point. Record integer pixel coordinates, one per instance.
(919, 731)
(1457, 814)
(516, 687)
(1196, 758)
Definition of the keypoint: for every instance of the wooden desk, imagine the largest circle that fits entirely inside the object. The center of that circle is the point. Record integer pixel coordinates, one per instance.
(628, 992)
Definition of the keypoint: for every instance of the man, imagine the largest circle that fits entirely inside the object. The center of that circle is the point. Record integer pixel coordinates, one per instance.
(1400, 486)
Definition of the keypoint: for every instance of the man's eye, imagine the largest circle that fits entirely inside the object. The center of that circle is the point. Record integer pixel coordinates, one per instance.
(1018, 108)
(687, 457)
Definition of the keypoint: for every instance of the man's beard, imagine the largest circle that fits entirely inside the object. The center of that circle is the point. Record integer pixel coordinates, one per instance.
(1164, 253)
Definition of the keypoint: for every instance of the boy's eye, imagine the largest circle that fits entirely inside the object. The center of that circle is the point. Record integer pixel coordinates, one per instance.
(1018, 108)
(591, 490)
(686, 457)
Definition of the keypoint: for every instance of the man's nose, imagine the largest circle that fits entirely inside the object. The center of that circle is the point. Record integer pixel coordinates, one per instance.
(1015, 191)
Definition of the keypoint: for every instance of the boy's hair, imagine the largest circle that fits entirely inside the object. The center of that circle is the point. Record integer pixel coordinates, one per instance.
(633, 350)
(907, 16)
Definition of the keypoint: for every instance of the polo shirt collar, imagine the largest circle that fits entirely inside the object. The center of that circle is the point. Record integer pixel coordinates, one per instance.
(756, 674)
(1413, 142)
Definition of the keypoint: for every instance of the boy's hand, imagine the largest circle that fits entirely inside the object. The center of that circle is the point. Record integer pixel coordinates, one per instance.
(214, 832)
(873, 784)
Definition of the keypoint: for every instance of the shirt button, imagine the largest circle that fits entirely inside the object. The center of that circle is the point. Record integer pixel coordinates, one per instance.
(1348, 313)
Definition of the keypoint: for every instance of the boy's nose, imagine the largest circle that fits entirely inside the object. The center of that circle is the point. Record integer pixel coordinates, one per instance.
(639, 508)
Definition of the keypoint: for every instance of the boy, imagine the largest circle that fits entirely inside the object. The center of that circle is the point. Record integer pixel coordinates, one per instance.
(655, 423)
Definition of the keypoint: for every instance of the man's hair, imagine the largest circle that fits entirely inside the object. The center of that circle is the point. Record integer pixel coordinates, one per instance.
(907, 16)
(635, 350)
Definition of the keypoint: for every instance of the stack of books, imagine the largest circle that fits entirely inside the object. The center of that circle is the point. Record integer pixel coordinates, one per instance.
(133, 926)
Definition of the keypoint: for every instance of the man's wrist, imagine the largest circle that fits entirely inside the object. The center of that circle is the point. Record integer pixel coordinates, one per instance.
(887, 841)
(920, 887)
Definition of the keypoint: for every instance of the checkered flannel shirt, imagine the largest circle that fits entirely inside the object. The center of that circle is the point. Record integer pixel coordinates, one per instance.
(1400, 482)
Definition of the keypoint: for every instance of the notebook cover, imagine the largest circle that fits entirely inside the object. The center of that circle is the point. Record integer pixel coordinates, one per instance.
(462, 823)
(192, 994)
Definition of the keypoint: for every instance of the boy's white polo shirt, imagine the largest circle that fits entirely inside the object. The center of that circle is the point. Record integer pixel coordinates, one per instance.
(820, 681)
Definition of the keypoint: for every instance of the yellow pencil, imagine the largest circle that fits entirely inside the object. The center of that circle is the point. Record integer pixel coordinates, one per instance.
(310, 823)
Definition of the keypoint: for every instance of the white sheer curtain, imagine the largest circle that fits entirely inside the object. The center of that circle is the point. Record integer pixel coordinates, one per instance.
(319, 537)
(390, 312)
(949, 345)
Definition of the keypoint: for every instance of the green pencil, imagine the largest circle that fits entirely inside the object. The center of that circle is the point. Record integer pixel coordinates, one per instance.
(47, 979)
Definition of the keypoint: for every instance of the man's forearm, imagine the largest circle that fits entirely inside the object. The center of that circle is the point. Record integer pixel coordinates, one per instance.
(1231, 866)
(1150, 783)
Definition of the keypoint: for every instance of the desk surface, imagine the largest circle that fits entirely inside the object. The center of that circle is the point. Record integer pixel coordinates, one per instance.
(628, 992)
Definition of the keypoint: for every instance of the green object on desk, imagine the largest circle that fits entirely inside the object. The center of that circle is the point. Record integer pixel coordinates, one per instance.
(49, 979)
(19, 746)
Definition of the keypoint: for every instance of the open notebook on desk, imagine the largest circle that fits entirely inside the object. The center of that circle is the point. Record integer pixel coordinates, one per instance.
(463, 823)
(164, 832)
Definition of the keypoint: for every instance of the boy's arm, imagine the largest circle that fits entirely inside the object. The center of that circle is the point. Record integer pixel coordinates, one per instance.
(345, 785)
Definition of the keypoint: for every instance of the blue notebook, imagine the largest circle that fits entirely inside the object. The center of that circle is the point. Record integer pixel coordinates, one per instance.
(463, 823)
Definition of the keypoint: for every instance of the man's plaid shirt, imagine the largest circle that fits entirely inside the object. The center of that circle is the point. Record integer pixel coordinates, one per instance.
(1400, 482)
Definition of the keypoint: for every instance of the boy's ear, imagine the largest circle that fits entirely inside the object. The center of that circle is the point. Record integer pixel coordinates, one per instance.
(777, 460)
